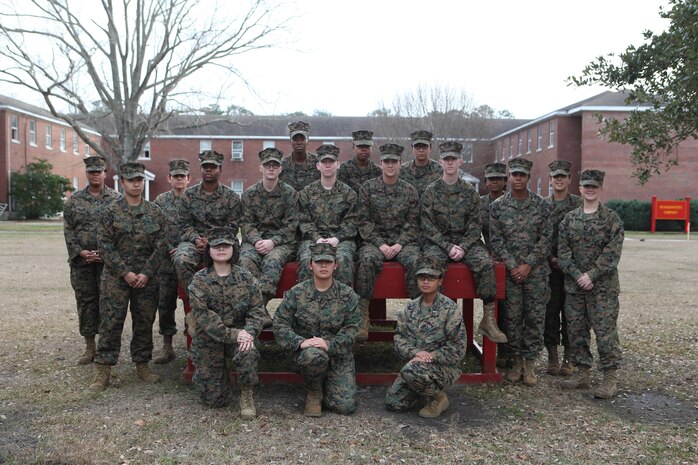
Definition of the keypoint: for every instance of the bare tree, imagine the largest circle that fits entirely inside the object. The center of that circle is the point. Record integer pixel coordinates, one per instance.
(131, 57)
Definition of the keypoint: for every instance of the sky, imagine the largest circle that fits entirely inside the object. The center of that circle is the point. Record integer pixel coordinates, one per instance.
(351, 57)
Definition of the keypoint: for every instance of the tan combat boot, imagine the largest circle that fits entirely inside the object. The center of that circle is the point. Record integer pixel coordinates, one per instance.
(168, 353)
(514, 375)
(488, 325)
(529, 373)
(365, 320)
(101, 380)
(90, 350)
(313, 403)
(581, 379)
(145, 374)
(247, 409)
(567, 368)
(435, 406)
(553, 361)
(609, 385)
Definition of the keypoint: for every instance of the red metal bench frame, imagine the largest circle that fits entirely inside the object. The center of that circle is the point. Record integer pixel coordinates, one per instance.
(390, 284)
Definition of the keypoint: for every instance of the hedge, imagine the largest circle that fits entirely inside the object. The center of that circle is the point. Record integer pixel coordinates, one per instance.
(636, 216)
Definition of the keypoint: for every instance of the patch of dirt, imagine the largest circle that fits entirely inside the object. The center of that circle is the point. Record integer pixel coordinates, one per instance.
(652, 407)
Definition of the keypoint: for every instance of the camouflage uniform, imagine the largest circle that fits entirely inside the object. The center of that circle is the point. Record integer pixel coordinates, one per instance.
(387, 214)
(592, 244)
(520, 232)
(268, 215)
(351, 174)
(81, 216)
(332, 315)
(421, 176)
(299, 175)
(438, 329)
(132, 240)
(485, 202)
(222, 306)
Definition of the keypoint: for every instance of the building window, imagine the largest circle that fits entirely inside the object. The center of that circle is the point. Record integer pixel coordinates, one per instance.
(49, 137)
(268, 144)
(204, 145)
(550, 188)
(14, 123)
(539, 147)
(467, 153)
(145, 154)
(551, 134)
(528, 141)
(504, 151)
(519, 143)
(539, 187)
(32, 132)
(511, 147)
(62, 140)
(237, 150)
(76, 183)
(238, 187)
(87, 149)
(328, 142)
(76, 147)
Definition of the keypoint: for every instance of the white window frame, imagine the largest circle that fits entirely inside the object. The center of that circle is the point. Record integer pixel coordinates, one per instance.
(519, 144)
(539, 186)
(76, 183)
(268, 144)
(205, 144)
(539, 140)
(32, 132)
(62, 140)
(241, 184)
(504, 151)
(87, 150)
(529, 141)
(237, 153)
(511, 147)
(550, 187)
(76, 143)
(467, 153)
(551, 134)
(14, 128)
(49, 136)
(145, 154)
(328, 142)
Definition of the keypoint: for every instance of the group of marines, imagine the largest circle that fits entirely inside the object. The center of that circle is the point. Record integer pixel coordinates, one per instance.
(561, 255)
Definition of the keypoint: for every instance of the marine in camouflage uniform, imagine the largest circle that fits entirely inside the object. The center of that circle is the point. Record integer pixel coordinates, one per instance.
(520, 232)
(421, 171)
(359, 169)
(269, 213)
(298, 169)
(328, 214)
(81, 215)
(132, 246)
(204, 206)
(590, 246)
(432, 323)
(222, 306)
(561, 202)
(317, 323)
(451, 229)
(170, 204)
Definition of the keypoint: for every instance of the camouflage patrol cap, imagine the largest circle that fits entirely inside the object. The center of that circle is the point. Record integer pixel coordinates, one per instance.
(429, 266)
(421, 137)
(520, 165)
(95, 163)
(270, 154)
(362, 137)
(327, 151)
(591, 178)
(558, 167)
(323, 251)
(210, 157)
(391, 152)
(132, 170)
(179, 167)
(218, 236)
(450, 148)
(496, 170)
(299, 127)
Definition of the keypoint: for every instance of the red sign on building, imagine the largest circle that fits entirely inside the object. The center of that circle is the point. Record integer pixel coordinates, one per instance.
(671, 210)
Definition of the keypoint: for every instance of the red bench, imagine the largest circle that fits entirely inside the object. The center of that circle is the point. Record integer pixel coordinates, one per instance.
(458, 284)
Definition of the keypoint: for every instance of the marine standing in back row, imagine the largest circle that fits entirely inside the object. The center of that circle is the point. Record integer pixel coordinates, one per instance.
(359, 169)
(298, 168)
(421, 171)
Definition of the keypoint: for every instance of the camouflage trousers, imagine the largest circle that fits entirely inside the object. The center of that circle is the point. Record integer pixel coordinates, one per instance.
(187, 261)
(597, 311)
(345, 261)
(115, 297)
(167, 303)
(266, 268)
(417, 379)
(214, 361)
(336, 374)
(525, 314)
(478, 260)
(86, 281)
(371, 263)
(555, 323)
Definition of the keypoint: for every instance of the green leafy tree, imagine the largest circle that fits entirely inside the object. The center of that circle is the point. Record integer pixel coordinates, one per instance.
(662, 76)
(38, 192)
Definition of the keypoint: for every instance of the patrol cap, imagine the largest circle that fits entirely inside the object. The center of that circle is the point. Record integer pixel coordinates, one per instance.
(558, 167)
(270, 154)
(327, 151)
(323, 251)
(132, 170)
(495, 170)
(520, 165)
(210, 157)
(591, 178)
(95, 163)
(450, 148)
(179, 167)
(299, 127)
(222, 235)
(421, 137)
(391, 152)
(429, 266)
(362, 137)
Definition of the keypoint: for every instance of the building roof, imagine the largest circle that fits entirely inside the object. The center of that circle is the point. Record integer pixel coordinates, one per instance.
(12, 104)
